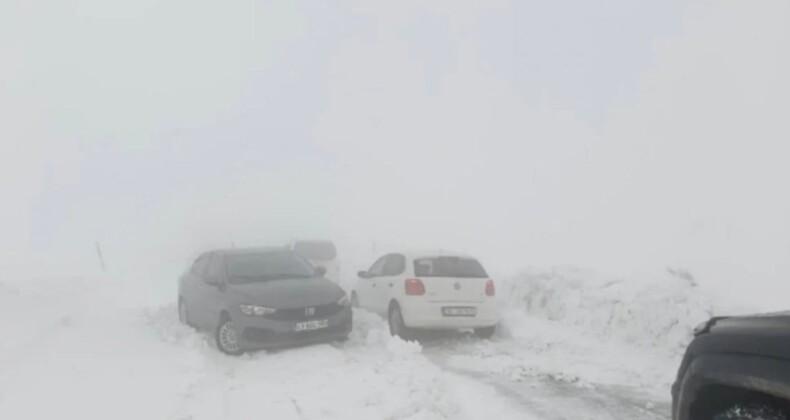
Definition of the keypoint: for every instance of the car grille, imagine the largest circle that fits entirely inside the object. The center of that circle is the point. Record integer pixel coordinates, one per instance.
(301, 314)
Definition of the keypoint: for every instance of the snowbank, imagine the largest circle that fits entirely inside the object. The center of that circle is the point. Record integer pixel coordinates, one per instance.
(94, 346)
(658, 311)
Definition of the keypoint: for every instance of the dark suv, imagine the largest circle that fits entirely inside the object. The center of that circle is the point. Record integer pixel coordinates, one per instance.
(259, 298)
(736, 368)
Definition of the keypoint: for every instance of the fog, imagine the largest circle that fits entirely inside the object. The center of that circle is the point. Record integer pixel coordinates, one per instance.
(617, 136)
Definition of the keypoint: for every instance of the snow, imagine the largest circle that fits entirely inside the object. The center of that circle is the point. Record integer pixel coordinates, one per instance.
(591, 343)
(592, 329)
(92, 349)
(654, 310)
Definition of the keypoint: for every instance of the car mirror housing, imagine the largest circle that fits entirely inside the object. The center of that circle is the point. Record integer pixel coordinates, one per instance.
(320, 271)
(363, 274)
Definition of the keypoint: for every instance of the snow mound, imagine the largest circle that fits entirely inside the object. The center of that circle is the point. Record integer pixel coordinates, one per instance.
(658, 310)
(371, 330)
(115, 342)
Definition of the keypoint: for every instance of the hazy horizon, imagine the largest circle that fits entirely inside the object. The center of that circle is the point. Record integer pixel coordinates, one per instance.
(632, 137)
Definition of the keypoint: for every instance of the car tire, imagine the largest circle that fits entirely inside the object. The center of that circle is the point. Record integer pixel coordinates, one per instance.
(354, 300)
(752, 412)
(227, 338)
(485, 332)
(396, 324)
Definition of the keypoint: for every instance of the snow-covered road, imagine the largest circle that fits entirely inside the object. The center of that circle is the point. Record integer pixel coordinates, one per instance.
(82, 349)
(542, 394)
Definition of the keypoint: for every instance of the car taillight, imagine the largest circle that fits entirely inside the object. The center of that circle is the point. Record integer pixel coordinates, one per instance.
(490, 289)
(414, 287)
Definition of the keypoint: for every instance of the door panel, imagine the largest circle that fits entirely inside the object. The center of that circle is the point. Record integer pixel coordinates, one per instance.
(369, 288)
(365, 290)
(390, 282)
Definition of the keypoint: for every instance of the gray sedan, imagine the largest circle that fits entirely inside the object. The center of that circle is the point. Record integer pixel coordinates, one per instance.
(261, 298)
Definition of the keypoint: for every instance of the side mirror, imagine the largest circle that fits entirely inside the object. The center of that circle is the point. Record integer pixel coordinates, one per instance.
(363, 274)
(320, 271)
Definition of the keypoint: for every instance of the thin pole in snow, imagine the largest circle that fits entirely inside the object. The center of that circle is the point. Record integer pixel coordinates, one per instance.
(101, 258)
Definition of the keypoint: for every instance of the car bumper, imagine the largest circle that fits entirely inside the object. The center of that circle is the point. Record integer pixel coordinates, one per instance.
(261, 333)
(428, 315)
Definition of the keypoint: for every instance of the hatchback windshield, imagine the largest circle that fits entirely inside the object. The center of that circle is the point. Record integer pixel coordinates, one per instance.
(449, 267)
(250, 268)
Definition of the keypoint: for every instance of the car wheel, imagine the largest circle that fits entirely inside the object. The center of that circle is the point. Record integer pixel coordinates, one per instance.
(485, 332)
(397, 326)
(354, 300)
(752, 412)
(183, 314)
(227, 337)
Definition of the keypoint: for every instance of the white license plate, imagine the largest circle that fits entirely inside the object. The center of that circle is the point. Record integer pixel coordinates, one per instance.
(311, 325)
(459, 311)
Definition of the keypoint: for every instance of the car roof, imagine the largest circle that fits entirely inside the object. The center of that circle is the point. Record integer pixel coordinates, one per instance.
(414, 255)
(252, 250)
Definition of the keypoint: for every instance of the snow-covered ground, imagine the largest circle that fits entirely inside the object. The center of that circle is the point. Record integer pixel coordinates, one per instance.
(572, 344)
(82, 349)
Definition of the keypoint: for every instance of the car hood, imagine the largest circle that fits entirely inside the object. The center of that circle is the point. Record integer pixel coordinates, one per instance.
(288, 293)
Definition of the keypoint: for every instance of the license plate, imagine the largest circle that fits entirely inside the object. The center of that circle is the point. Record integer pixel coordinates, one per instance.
(311, 325)
(459, 311)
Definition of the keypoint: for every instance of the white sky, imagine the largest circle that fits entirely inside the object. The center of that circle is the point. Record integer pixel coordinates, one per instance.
(619, 135)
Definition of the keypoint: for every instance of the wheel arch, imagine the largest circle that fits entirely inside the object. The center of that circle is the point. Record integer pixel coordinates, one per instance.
(224, 315)
(713, 399)
(392, 303)
(713, 382)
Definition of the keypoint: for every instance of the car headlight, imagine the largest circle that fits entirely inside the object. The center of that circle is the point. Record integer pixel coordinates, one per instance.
(255, 310)
(343, 301)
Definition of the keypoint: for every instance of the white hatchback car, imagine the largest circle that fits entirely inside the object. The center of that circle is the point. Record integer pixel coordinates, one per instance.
(429, 291)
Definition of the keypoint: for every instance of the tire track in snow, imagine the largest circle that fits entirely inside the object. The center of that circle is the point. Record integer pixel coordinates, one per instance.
(546, 396)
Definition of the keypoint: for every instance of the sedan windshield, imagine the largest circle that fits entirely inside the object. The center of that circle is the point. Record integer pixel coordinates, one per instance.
(252, 268)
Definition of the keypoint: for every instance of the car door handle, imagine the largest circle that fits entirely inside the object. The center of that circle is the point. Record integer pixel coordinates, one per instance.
(390, 284)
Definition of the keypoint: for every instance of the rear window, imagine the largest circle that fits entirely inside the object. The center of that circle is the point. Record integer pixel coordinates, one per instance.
(449, 267)
(316, 250)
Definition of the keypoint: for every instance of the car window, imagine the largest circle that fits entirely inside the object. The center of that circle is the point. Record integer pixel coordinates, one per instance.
(449, 267)
(216, 269)
(377, 269)
(200, 265)
(395, 265)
